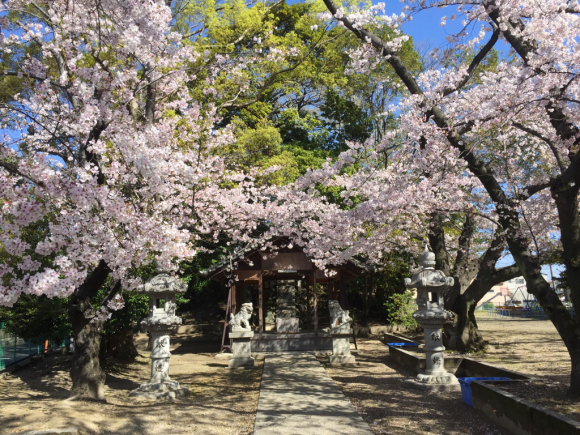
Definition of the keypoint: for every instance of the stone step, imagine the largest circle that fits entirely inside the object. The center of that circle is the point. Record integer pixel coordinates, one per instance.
(290, 342)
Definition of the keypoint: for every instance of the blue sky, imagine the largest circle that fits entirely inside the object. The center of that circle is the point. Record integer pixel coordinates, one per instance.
(425, 26)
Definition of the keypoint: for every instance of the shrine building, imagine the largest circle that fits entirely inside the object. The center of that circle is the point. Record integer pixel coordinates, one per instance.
(289, 295)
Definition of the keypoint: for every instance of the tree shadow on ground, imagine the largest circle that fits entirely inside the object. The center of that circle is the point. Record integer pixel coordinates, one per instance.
(376, 388)
(221, 401)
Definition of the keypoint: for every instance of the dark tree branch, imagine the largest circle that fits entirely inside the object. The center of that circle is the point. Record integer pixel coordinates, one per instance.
(546, 139)
(86, 156)
(13, 169)
(437, 242)
(112, 291)
(529, 191)
(520, 45)
(475, 63)
(93, 282)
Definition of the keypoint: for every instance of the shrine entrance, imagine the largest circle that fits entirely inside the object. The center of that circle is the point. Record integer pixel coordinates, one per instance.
(290, 293)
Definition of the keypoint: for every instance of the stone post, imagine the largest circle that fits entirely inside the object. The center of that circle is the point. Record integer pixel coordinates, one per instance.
(430, 285)
(160, 323)
(340, 332)
(286, 320)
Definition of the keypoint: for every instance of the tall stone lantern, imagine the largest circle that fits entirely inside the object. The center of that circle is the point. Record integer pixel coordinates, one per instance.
(430, 285)
(160, 323)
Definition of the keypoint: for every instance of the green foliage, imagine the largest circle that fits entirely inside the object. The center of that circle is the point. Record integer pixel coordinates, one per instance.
(369, 293)
(136, 308)
(300, 110)
(204, 298)
(488, 306)
(38, 318)
(400, 308)
(345, 119)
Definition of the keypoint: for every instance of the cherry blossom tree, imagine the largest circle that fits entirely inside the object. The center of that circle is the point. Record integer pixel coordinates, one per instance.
(515, 130)
(105, 151)
(396, 206)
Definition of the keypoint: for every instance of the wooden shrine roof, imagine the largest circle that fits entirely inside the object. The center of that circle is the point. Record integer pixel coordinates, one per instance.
(287, 263)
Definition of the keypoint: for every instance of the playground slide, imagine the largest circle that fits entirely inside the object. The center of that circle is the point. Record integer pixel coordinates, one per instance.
(483, 303)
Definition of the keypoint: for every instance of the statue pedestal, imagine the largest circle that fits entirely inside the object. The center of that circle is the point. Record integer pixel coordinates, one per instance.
(241, 349)
(341, 346)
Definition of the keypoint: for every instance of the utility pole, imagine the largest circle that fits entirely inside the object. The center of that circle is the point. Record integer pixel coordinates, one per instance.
(552, 276)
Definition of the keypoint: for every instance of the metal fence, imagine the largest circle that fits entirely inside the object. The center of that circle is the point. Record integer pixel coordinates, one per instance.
(14, 349)
(530, 312)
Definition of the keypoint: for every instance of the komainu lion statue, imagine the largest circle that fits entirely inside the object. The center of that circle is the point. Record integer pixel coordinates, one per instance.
(338, 317)
(241, 321)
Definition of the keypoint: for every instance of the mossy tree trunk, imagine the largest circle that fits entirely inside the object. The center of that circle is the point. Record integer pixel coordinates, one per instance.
(86, 372)
(474, 277)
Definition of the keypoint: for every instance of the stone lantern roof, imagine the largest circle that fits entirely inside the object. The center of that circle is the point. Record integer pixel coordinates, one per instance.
(163, 282)
(427, 276)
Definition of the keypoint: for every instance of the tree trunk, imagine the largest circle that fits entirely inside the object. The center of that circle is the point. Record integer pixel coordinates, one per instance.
(366, 299)
(567, 327)
(119, 346)
(87, 376)
(462, 333)
(566, 199)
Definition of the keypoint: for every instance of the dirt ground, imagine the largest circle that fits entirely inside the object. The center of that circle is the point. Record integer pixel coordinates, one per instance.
(375, 387)
(222, 401)
(532, 347)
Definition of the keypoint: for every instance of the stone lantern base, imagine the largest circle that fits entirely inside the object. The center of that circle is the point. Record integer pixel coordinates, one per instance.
(160, 385)
(426, 386)
(341, 346)
(163, 390)
(439, 381)
(446, 378)
(241, 349)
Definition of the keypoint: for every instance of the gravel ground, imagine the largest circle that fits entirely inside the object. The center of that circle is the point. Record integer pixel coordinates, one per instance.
(222, 401)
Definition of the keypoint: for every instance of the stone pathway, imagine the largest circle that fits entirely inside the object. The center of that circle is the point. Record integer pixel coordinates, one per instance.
(298, 397)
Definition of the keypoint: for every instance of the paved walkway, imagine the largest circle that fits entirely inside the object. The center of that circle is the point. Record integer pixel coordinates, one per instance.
(298, 397)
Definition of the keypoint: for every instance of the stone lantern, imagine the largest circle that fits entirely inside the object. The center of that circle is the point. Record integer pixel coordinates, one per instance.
(160, 323)
(430, 285)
